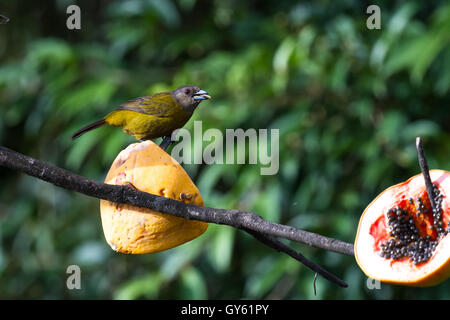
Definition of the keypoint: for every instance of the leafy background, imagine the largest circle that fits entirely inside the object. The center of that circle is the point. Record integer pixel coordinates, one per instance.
(348, 102)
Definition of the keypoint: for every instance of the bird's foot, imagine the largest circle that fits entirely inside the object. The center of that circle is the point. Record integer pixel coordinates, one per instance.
(167, 141)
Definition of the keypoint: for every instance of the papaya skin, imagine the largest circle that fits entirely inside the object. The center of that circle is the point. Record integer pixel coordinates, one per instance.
(128, 229)
(403, 272)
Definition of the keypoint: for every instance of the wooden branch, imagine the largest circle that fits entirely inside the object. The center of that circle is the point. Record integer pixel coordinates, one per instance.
(252, 223)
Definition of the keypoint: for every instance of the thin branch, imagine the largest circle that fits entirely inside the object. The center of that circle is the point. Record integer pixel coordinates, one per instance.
(279, 246)
(261, 229)
(425, 172)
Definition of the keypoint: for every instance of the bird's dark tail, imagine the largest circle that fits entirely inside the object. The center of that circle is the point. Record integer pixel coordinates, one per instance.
(89, 127)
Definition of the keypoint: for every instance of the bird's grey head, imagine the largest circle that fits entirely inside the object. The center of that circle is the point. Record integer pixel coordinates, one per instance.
(188, 97)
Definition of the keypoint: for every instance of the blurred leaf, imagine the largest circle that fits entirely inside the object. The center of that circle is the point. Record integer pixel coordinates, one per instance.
(192, 285)
(268, 203)
(221, 247)
(90, 253)
(178, 257)
(144, 286)
(266, 273)
(95, 92)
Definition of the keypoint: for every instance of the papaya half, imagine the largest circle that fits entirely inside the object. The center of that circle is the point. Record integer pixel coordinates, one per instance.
(401, 240)
(129, 229)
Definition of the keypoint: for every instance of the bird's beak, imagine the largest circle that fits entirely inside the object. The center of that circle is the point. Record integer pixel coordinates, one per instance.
(201, 95)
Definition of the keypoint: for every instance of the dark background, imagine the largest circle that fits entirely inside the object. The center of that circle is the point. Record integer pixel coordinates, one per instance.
(348, 102)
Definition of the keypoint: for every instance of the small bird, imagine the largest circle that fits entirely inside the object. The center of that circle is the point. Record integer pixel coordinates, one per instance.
(153, 116)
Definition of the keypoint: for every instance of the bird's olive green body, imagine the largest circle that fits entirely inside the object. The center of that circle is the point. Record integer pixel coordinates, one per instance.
(149, 117)
(153, 116)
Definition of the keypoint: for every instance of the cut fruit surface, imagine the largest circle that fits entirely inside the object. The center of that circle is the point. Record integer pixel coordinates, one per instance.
(401, 240)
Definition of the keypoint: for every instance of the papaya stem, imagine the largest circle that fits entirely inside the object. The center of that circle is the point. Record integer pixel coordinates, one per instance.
(425, 172)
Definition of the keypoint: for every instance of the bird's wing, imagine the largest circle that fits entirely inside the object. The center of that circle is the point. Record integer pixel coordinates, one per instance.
(159, 105)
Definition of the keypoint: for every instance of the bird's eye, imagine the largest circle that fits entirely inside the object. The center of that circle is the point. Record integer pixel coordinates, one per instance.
(187, 91)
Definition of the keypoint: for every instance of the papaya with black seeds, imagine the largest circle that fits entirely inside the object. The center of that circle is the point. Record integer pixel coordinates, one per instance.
(401, 240)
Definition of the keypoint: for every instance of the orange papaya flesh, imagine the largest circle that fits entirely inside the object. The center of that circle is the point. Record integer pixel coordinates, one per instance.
(401, 240)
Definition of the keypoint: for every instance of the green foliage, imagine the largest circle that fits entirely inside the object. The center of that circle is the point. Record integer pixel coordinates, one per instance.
(348, 102)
